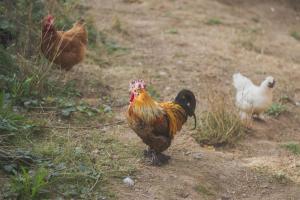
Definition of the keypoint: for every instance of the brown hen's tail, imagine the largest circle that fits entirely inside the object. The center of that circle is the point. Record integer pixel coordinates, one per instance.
(186, 99)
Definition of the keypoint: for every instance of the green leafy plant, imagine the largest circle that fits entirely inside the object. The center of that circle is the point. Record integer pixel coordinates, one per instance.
(10, 122)
(7, 64)
(295, 35)
(292, 147)
(276, 109)
(29, 186)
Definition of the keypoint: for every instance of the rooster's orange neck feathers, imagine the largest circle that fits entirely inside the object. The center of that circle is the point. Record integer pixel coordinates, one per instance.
(145, 107)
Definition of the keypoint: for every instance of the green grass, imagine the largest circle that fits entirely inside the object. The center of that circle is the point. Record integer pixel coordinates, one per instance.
(220, 124)
(172, 31)
(255, 19)
(292, 147)
(275, 176)
(12, 123)
(204, 190)
(295, 35)
(117, 25)
(213, 21)
(276, 109)
(94, 159)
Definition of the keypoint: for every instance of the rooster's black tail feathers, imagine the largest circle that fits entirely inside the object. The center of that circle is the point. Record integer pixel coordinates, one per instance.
(186, 99)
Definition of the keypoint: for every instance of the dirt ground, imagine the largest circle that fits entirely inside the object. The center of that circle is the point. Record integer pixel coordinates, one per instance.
(176, 44)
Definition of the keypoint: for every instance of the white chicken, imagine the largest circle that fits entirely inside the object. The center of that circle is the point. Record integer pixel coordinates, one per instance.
(252, 99)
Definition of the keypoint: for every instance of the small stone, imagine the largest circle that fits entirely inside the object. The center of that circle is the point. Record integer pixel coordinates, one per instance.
(180, 62)
(197, 155)
(162, 73)
(225, 197)
(96, 151)
(107, 109)
(128, 181)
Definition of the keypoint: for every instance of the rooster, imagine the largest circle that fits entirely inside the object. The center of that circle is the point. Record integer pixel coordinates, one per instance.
(63, 48)
(157, 123)
(253, 100)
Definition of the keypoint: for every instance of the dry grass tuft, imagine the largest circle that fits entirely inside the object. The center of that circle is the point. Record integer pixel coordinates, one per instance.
(220, 123)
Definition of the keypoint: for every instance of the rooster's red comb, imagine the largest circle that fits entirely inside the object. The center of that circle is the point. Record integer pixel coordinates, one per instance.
(137, 84)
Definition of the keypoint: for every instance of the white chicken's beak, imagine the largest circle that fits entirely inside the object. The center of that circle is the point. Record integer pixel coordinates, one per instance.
(271, 85)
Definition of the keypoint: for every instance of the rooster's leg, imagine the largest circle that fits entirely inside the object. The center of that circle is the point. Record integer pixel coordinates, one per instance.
(147, 152)
(155, 158)
(163, 158)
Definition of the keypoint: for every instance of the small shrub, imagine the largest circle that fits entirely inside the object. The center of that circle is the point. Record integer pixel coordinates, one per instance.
(219, 125)
(214, 21)
(292, 147)
(295, 35)
(281, 178)
(276, 109)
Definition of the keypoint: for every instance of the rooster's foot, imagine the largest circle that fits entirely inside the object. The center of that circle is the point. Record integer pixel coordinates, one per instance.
(156, 159)
(163, 158)
(147, 153)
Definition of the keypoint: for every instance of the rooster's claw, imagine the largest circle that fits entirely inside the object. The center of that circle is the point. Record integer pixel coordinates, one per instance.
(156, 159)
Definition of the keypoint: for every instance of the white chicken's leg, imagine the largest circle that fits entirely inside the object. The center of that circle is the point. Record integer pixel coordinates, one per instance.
(263, 117)
(246, 119)
(244, 116)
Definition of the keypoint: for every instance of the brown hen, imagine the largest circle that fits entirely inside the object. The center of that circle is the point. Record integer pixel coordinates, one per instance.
(64, 48)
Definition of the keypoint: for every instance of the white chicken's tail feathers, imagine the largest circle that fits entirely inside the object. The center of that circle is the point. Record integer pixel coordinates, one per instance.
(241, 82)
